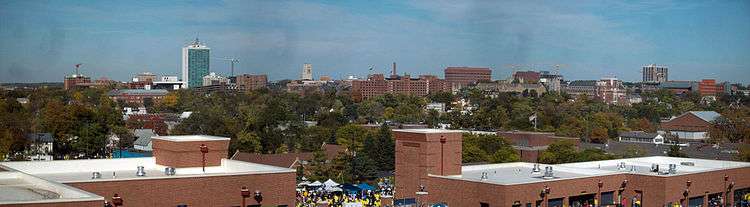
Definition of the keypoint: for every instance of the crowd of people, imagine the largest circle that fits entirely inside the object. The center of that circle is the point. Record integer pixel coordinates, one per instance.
(312, 198)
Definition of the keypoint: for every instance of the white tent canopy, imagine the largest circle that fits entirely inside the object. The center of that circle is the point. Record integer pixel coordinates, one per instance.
(304, 183)
(330, 183)
(315, 184)
(333, 189)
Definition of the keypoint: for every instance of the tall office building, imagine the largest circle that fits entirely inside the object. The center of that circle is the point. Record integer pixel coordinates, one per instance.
(307, 71)
(195, 65)
(655, 73)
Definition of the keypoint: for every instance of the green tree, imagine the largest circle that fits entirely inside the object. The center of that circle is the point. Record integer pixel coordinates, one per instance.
(351, 136)
(319, 168)
(675, 151)
(380, 148)
(487, 148)
(559, 152)
(247, 142)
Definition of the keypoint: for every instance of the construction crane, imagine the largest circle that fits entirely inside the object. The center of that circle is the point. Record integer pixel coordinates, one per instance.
(232, 61)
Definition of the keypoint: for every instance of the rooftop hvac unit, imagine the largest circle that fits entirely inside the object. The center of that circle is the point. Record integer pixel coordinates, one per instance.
(672, 168)
(96, 175)
(141, 172)
(621, 166)
(548, 174)
(169, 171)
(654, 167)
(484, 176)
(536, 170)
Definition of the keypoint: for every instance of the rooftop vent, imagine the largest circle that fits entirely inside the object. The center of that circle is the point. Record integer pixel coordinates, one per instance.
(632, 168)
(96, 175)
(536, 170)
(655, 168)
(621, 166)
(687, 163)
(484, 176)
(672, 168)
(548, 174)
(141, 172)
(169, 171)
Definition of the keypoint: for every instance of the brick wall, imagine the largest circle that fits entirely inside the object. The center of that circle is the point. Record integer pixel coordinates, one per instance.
(188, 154)
(277, 189)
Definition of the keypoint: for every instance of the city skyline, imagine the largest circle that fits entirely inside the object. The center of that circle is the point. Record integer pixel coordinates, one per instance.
(44, 40)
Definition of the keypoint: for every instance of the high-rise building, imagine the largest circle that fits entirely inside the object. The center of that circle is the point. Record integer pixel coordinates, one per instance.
(463, 76)
(377, 84)
(307, 71)
(195, 63)
(655, 73)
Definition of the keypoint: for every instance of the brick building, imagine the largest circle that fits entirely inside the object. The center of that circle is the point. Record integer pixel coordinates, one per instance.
(174, 176)
(138, 96)
(76, 80)
(526, 76)
(249, 82)
(464, 76)
(377, 84)
(691, 126)
(429, 171)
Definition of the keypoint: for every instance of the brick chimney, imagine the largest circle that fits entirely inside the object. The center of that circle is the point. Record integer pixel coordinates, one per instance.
(185, 151)
(420, 152)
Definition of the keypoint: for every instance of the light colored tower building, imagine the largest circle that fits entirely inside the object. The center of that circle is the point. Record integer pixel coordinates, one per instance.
(307, 71)
(655, 73)
(195, 63)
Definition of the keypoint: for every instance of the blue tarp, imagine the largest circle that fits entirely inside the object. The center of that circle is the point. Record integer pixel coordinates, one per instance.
(127, 154)
(365, 186)
(349, 188)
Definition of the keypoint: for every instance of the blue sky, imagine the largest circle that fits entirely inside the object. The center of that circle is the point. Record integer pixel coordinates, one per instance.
(42, 40)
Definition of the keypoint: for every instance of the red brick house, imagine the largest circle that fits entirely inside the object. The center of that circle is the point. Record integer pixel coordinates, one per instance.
(691, 126)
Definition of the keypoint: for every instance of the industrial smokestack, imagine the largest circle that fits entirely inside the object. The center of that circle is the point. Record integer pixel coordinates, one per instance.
(394, 69)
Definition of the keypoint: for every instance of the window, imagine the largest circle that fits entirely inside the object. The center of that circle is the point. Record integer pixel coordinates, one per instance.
(484, 204)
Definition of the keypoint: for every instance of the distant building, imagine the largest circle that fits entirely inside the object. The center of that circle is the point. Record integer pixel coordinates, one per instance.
(143, 139)
(655, 73)
(464, 76)
(581, 87)
(306, 71)
(138, 96)
(553, 82)
(377, 84)
(526, 76)
(691, 126)
(213, 79)
(439, 107)
(609, 89)
(325, 78)
(41, 146)
(641, 137)
(146, 77)
(680, 87)
(492, 89)
(195, 63)
(248, 82)
(169, 83)
(75, 81)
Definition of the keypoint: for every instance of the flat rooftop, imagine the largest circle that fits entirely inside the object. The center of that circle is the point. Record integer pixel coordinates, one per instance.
(72, 171)
(190, 138)
(521, 172)
(20, 188)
